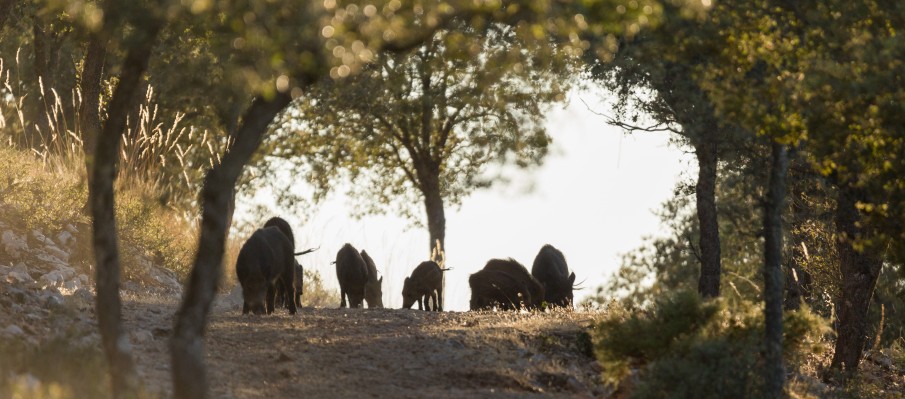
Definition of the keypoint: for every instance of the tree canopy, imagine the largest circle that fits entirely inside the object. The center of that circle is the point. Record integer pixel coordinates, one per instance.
(425, 126)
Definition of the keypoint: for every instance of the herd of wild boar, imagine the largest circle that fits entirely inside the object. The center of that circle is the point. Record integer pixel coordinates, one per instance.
(270, 275)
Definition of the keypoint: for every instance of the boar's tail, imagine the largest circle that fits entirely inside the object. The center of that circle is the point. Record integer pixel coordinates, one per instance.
(578, 286)
(307, 251)
(448, 268)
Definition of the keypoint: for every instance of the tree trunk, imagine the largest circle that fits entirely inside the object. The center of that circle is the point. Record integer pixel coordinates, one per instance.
(90, 87)
(436, 217)
(860, 270)
(705, 193)
(773, 289)
(186, 347)
(109, 307)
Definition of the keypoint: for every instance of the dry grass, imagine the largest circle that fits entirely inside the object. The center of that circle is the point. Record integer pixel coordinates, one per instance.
(157, 156)
(43, 177)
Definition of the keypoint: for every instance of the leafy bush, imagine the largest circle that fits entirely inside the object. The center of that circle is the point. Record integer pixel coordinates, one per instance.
(686, 347)
(33, 197)
(36, 199)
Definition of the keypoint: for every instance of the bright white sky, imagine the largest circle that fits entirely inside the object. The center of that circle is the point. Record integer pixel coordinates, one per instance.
(593, 198)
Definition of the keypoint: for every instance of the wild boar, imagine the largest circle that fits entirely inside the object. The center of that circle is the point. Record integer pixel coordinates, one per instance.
(374, 286)
(282, 297)
(425, 284)
(551, 270)
(491, 288)
(352, 273)
(519, 272)
(264, 261)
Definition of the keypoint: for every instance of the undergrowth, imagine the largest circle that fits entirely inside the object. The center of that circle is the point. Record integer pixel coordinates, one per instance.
(686, 347)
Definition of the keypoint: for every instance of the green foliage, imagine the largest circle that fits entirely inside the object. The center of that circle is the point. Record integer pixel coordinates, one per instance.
(624, 341)
(37, 199)
(153, 232)
(442, 114)
(685, 347)
(48, 200)
(821, 78)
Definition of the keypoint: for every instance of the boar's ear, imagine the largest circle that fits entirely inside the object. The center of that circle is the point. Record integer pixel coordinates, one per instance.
(381, 280)
(572, 278)
(406, 279)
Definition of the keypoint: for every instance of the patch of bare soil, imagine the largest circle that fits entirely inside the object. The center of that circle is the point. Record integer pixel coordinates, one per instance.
(377, 353)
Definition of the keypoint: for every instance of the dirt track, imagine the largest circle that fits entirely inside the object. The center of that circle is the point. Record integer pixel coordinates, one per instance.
(333, 353)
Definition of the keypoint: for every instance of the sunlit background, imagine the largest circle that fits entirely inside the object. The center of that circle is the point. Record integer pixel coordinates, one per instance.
(593, 198)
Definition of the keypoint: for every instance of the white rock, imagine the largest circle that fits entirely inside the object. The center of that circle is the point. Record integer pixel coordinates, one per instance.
(57, 253)
(50, 260)
(70, 287)
(67, 270)
(18, 277)
(82, 299)
(167, 281)
(70, 228)
(13, 244)
(142, 336)
(65, 239)
(52, 299)
(21, 267)
(38, 235)
(13, 330)
(53, 279)
(83, 279)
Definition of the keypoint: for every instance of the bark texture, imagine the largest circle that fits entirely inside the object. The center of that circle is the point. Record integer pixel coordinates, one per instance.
(109, 306)
(773, 288)
(705, 194)
(186, 347)
(860, 270)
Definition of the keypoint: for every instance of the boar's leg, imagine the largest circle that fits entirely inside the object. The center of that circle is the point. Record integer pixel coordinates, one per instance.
(421, 303)
(244, 307)
(342, 298)
(439, 299)
(269, 300)
(289, 290)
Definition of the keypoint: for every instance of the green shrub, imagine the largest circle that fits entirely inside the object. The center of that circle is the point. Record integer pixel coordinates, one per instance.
(36, 199)
(153, 231)
(686, 347)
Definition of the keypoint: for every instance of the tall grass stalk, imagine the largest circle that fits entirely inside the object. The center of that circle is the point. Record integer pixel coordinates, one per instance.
(161, 168)
(165, 158)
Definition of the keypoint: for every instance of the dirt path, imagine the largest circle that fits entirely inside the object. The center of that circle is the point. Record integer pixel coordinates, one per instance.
(326, 353)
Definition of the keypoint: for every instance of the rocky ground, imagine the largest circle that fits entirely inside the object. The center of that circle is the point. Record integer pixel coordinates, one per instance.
(379, 353)
(46, 296)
